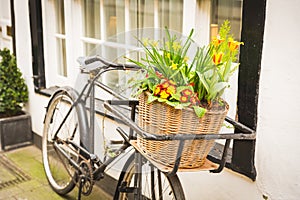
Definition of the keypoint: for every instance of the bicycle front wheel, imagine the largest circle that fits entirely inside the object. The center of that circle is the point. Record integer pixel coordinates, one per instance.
(55, 145)
(154, 183)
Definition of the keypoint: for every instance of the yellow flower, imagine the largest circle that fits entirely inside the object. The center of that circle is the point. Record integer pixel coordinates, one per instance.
(164, 94)
(176, 46)
(174, 66)
(172, 82)
(217, 57)
(185, 59)
(157, 90)
(145, 41)
(165, 84)
(233, 45)
(154, 43)
(184, 99)
(171, 89)
(216, 41)
(169, 55)
(168, 44)
(187, 92)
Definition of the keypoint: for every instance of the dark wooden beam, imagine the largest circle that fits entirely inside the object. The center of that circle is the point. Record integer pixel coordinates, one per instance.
(36, 29)
(253, 25)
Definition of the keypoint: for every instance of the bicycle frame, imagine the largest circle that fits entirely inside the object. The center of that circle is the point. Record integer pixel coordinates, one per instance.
(88, 93)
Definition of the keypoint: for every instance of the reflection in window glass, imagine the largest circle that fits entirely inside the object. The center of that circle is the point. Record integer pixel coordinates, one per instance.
(61, 51)
(91, 18)
(170, 14)
(110, 18)
(104, 20)
(60, 16)
(60, 38)
(227, 9)
(167, 13)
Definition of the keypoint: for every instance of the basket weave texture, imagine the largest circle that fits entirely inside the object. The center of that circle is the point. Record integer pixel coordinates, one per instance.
(160, 118)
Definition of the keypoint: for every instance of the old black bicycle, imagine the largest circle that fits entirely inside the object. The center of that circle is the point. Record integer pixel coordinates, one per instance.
(68, 154)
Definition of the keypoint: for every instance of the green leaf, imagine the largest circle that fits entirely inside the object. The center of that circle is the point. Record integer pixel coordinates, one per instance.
(199, 111)
(176, 96)
(152, 98)
(172, 103)
(161, 100)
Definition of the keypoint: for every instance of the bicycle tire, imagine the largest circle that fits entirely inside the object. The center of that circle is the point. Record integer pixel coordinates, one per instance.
(170, 187)
(60, 174)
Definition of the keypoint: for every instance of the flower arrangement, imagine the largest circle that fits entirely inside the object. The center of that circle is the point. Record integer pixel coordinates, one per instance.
(179, 81)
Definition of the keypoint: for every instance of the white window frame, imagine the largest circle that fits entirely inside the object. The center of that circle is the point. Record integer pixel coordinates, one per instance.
(193, 17)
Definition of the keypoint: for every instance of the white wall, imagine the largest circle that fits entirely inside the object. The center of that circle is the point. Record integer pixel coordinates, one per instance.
(277, 153)
(278, 109)
(37, 103)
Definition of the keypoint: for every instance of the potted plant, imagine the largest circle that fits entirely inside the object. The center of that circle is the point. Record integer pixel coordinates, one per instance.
(179, 94)
(15, 124)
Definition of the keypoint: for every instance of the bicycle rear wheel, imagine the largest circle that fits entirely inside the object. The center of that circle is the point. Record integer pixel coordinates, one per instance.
(60, 174)
(155, 184)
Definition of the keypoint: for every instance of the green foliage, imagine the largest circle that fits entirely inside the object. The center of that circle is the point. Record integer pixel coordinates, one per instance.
(13, 89)
(199, 84)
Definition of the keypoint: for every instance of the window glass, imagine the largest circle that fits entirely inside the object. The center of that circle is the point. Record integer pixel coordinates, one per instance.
(61, 50)
(227, 9)
(60, 16)
(110, 19)
(170, 14)
(91, 18)
(60, 38)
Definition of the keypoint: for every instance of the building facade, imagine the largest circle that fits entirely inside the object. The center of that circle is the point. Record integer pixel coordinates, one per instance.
(48, 36)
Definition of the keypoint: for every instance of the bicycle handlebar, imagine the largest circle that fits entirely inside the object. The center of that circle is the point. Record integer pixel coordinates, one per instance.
(92, 63)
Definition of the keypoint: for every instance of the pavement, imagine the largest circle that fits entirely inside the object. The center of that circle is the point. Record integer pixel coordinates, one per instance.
(22, 177)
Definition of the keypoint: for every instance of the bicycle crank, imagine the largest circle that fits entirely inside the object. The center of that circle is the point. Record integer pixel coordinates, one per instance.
(85, 181)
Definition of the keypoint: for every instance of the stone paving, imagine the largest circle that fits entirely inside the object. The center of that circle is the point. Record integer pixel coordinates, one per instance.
(22, 177)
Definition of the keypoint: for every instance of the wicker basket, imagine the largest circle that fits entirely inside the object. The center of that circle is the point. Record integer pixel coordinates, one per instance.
(160, 118)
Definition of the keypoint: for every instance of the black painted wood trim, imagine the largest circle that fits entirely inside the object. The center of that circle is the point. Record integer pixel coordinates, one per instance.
(36, 29)
(13, 25)
(253, 25)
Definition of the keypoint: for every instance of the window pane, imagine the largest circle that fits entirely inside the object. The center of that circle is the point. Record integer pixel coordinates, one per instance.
(60, 16)
(227, 9)
(110, 18)
(170, 14)
(91, 18)
(61, 51)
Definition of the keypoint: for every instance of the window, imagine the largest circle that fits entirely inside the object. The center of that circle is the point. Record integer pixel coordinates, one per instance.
(229, 9)
(106, 22)
(6, 25)
(60, 36)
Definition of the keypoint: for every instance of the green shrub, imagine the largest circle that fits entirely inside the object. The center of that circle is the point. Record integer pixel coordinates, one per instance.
(13, 89)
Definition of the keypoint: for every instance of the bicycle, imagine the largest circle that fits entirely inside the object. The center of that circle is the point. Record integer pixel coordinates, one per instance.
(68, 156)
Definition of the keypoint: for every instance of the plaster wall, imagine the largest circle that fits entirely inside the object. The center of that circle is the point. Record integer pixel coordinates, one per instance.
(37, 103)
(278, 107)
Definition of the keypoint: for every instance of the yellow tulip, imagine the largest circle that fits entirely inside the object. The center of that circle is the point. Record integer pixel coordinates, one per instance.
(216, 41)
(233, 45)
(217, 57)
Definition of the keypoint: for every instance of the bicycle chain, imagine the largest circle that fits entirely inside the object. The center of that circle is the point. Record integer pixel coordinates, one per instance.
(88, 181)
(88, 172)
